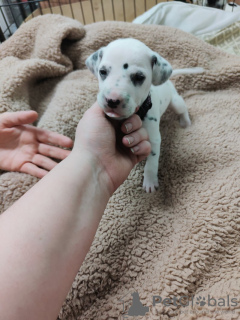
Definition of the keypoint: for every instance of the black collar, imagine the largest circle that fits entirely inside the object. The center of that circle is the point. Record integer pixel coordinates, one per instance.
(143, 110)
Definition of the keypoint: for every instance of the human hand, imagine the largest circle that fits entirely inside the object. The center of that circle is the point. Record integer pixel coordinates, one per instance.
(26, 148)
(97, 136)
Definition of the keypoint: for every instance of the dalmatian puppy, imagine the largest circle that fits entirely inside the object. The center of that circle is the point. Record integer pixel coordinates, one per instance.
(132, 79)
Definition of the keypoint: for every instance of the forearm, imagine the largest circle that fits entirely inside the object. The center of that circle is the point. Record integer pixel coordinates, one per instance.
(45, 236)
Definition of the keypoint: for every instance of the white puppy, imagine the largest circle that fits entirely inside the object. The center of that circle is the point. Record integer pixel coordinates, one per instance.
(134, 79)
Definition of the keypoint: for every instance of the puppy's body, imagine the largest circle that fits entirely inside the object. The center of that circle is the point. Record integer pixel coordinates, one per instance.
(162, 96)
(128, 71)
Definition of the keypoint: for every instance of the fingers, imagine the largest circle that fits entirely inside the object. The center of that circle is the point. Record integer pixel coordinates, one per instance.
(43, 162)
(39, 166)
(52, 152)
(142, 149)
(12, 119)
(135, 137)
(55, 138)
(32, 169)
(131, 124)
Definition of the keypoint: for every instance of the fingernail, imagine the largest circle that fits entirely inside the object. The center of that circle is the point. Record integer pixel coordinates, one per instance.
(130, 139)
(128, 126)
(134, 149)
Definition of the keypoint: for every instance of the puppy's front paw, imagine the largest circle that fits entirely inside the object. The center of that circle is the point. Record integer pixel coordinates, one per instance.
(149, 184)
(185, 120)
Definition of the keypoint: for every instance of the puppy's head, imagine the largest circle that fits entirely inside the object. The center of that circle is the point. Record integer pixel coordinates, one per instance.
(125, 69)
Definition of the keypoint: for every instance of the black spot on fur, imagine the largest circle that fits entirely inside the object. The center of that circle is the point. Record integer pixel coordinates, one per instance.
(152, 118)
(153, 153)
(154, 60)
(164, 75)
(104, 72)
(125, 66)
(101, 54)
(95, 56)
(137, 78)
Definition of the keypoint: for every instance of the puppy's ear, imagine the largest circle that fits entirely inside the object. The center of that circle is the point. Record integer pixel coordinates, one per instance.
(162, 69)
(94, 60)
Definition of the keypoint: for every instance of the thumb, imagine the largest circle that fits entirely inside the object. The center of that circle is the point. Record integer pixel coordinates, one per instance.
(12, 119)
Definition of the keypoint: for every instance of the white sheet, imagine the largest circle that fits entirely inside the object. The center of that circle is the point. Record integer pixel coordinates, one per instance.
(191, 18)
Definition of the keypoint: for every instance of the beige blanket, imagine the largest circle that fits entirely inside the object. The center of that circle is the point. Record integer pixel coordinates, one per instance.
(182, 241)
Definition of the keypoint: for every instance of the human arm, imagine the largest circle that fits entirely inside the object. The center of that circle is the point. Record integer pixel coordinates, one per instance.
(46, 234)
(26, 148)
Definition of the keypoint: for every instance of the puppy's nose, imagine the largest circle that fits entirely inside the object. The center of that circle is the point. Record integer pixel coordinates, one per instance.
(113, 103)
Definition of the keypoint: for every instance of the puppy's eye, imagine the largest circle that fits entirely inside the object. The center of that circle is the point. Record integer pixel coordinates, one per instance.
(137, 78)
(103, 72)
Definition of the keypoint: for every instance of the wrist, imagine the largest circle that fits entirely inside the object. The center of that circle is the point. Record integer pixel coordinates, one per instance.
(85, 160)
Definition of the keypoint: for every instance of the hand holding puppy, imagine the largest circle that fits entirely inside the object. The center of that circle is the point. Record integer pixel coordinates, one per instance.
(96, 136)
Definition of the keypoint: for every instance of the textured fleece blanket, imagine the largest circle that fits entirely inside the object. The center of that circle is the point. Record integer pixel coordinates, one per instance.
(172, 254)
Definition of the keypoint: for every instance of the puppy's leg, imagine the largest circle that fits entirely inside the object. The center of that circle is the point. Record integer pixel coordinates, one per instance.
(179, 107)
(150, 181)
